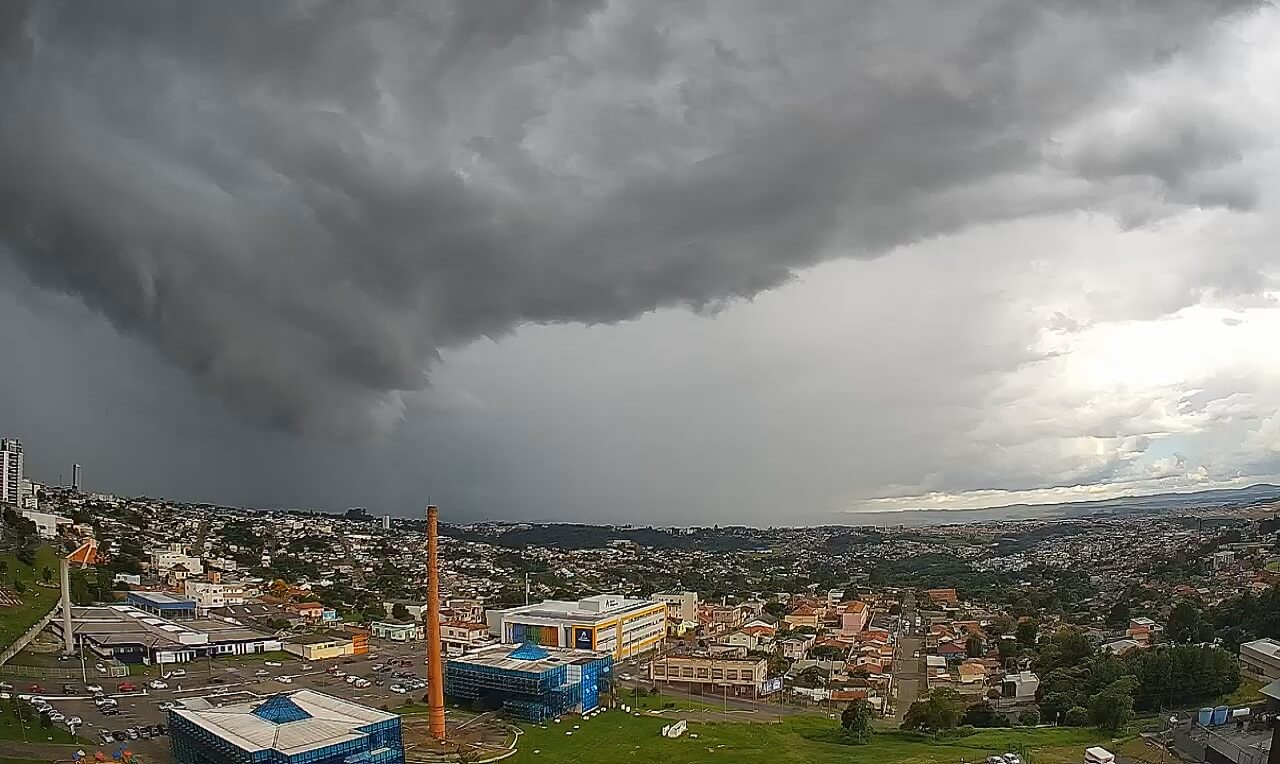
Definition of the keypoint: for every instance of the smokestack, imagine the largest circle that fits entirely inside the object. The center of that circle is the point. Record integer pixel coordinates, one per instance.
(435, 671)
(75, 477)
(64, 569)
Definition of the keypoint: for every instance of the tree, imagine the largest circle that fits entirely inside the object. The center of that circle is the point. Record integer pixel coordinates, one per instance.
(4, 569)
(47, 574)
(827, 653)
(983, 714)
(775, 609)
(400, 612)
(1076, 716)
(1054, 706)
(937, 710)
(973, 647)
(1112, 708)
(1118, 615)
(1026, 632)
(856, 721)
(1184, 623)
(1029, 717)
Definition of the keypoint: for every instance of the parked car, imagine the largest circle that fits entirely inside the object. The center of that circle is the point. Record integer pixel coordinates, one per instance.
(126, 687)
(165, 705)
(101, 669)
(57, 716)
(177, 673)
(262, 672)
(339, 673)
(74, 721)
(120, 736)
(306, 667)
(398, 688)
(284, 679)
(157, 684)
(273, 664)
(5, 686)
(94, 688)
(33, 687)
(106, 737)
(132, 733)
(362, 683)
(352, 679)
(109, 710)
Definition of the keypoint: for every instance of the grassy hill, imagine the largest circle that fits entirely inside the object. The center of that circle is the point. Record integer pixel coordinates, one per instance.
(36, 599)
(615, 736)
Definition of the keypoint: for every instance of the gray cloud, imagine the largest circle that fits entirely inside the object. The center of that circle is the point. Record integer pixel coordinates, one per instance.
(301, 204)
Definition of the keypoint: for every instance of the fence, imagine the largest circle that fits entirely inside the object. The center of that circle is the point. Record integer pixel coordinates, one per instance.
(115, 670)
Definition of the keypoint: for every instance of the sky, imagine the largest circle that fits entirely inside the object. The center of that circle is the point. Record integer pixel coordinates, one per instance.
(661, 262)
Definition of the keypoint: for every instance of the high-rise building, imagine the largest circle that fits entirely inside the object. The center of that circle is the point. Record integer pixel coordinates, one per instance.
(11, 471)
(75, 477)
(386, 522)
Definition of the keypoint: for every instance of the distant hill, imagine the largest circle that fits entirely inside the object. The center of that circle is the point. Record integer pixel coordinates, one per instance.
(1218, 497)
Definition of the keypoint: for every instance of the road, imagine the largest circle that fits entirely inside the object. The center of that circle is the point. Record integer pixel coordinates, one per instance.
(909, 673)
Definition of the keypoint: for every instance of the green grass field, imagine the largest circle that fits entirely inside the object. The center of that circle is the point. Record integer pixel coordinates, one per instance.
(36, 600)
(1249, 691)
(614, 736)
(10, 729)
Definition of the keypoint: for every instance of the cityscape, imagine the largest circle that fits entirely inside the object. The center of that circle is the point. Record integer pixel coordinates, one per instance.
(639, 382)
(167, 629)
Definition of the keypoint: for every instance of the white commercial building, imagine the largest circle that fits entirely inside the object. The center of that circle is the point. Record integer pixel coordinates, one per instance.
(1260, 660)
(11, 472)
(606, 623)
(212, 594)
(46, 523)
(682, 606)
(164, 561)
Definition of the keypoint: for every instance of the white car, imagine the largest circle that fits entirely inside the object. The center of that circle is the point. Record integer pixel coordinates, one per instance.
(273, 664)
(156, 684)
(306, 667)
(93, 687)
(398, 689)
(75, 721)
(57, 716)
(284, 679)
(352, 679)
(363, 683)
(101, 669)
(166, 706)
(178, 673)
(262, 672)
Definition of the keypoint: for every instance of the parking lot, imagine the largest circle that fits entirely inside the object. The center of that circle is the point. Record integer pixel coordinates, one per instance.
(145, 707)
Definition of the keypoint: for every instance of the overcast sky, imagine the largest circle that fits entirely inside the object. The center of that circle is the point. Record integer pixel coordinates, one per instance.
(668, 262)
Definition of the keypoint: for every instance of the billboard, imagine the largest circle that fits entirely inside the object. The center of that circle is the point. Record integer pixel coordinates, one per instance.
(770, 686)
(584, 639)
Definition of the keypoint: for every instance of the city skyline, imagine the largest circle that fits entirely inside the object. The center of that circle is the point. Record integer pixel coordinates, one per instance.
(609, 262)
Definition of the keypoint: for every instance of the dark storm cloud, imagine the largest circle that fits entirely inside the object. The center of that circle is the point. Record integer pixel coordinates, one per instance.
(301, 203)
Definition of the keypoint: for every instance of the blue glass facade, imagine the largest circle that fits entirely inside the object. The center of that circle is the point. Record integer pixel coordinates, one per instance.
(536, 694)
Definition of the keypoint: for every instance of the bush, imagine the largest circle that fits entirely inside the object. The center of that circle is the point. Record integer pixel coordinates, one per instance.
(1029, 718)
(1077, 716)
(954, 733)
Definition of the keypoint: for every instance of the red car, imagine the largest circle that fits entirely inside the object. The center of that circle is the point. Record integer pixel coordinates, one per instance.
(126, 687)
(35, 688)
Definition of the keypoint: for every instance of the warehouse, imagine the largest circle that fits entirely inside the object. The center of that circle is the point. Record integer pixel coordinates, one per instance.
(130, 635)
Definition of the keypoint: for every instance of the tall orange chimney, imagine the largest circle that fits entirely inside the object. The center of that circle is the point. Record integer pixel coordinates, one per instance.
(435, 669)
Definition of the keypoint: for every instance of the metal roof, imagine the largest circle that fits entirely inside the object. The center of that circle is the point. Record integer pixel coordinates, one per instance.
(327, 721)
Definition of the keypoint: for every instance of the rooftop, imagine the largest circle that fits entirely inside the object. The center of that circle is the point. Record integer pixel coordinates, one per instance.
(586, 610)
(527, 658)
(1266, 646)
(289, 722)
(164, 599)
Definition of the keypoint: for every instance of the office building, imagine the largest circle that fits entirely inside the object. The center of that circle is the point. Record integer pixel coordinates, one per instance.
(301, 727)
(386, 522)
(1260, 660)
(703, 672)
(530, 682)
(163, 561)
(681, 606)
(11, 472)
(216, 593)
(162, 604)
(606, 623)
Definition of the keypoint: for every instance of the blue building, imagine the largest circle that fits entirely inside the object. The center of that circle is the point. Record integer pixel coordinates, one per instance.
(301, 727)
(163, 604)
(530, 682)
